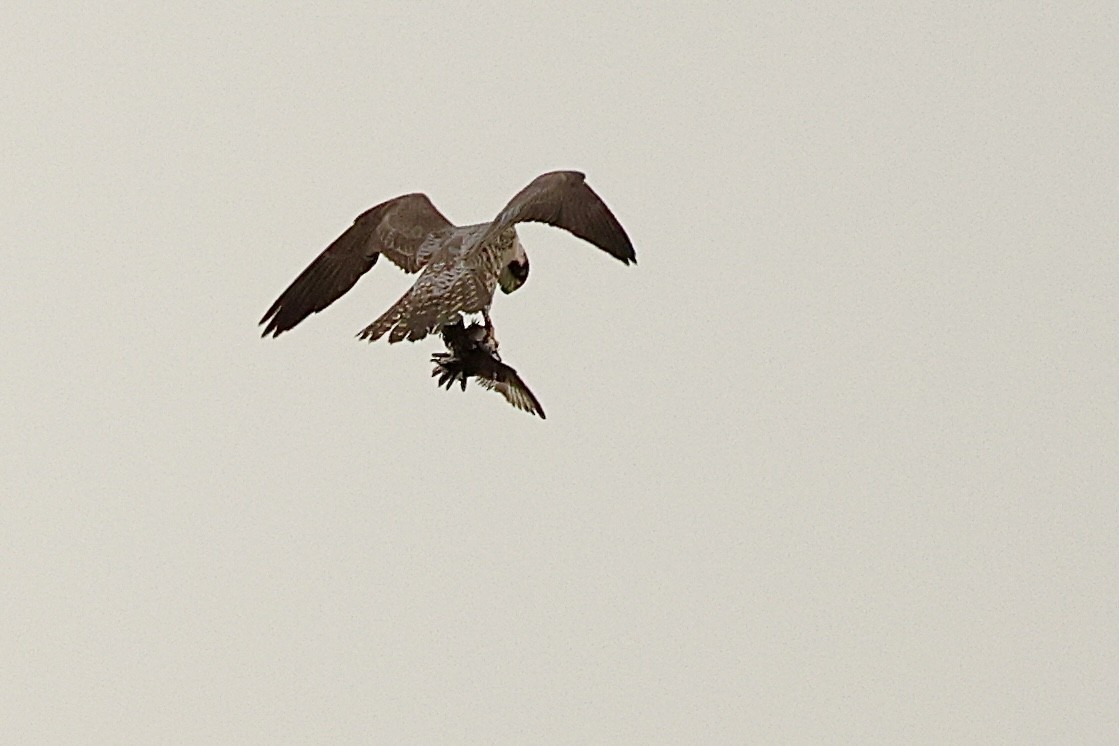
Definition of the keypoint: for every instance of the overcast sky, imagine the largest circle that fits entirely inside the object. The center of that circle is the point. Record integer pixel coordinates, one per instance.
(836, 461)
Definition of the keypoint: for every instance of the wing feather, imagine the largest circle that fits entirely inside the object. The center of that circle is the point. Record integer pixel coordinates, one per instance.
(405, 229)
(506, 382)
(563, 199)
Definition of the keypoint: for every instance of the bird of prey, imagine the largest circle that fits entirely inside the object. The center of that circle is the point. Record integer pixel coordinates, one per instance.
(473, 353)
(459, 266)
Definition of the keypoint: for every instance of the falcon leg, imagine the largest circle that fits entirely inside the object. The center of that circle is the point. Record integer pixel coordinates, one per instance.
(490, 340)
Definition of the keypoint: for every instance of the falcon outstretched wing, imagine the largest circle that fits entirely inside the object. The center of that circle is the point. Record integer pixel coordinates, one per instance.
(564, 199)
(399, 229)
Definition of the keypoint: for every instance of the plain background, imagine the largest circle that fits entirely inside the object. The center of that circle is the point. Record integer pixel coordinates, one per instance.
(835, 462)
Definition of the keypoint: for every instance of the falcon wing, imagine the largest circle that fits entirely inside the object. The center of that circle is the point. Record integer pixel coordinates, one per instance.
(506, 382)
(564, 199)
(399, 229)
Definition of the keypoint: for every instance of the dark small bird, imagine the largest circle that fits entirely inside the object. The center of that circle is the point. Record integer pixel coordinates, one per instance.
(473, 353)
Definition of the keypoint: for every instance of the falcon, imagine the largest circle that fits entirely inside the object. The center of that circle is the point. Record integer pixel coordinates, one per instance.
(473, 353)
(459, 267)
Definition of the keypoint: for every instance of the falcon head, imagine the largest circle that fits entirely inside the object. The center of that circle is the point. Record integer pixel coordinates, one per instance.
(514, 274)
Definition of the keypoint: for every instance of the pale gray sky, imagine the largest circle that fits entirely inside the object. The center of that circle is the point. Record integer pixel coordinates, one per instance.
(835, 462)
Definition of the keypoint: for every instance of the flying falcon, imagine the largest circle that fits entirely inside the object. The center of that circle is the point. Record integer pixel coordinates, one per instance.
(459, 266)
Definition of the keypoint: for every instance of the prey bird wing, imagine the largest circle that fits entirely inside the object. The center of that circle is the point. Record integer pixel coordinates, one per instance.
(506, 382)
(564, 199)
(406, 229)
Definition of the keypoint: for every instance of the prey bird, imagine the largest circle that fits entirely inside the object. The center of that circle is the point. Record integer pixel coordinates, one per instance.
(473, 354)
(459, 267)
